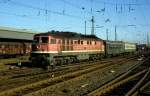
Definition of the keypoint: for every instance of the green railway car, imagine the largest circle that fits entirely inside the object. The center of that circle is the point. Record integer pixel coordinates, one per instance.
(114, 48)
(129, 47)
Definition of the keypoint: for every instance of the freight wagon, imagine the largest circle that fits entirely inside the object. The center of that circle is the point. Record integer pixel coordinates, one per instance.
(14, 42)
(13, 49)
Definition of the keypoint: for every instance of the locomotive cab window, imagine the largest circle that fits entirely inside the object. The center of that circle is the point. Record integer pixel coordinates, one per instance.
(36, 39)
(44, 39)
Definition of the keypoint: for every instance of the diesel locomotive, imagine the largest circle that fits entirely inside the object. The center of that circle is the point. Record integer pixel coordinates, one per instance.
(57, 48)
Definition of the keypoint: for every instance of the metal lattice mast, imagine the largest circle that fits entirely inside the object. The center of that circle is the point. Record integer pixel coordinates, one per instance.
(92, 29)
(115, 33)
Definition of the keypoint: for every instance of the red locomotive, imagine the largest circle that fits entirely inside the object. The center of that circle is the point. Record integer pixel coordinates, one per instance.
(58, 48)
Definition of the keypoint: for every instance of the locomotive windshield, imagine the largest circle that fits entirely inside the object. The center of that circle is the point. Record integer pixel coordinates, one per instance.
(36, 39)
(44, 39)
(41, 40)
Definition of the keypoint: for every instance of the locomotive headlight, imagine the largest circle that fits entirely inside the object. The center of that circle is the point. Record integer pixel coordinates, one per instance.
(37, 47)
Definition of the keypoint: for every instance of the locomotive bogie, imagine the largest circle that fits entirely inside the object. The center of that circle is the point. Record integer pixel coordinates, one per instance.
(64, 57)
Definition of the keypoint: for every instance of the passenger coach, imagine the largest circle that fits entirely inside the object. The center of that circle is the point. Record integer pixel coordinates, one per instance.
(114, 48)
(130, 48)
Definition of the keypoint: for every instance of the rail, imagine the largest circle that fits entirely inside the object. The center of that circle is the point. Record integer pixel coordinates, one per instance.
(107, 88)
(134, 90)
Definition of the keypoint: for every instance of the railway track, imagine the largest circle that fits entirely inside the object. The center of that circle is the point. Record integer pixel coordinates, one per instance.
(52, 81)
(82, 84)
(144, 90)
(30, 70)
(26, 75)
(22, 72)
(27, 71)
(127, 84)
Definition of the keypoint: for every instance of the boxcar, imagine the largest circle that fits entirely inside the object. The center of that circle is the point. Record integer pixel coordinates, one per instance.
(13, 49)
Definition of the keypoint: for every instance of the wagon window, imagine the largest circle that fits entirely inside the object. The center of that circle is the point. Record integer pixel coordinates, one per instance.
(53, 41)
(44, 39)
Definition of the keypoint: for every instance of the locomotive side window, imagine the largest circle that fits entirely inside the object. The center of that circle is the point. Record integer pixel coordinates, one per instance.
(71, 41)
(75, 42)
(82, 42)
(53, 41)
(44, 39)
(87, 42)
(78, 41)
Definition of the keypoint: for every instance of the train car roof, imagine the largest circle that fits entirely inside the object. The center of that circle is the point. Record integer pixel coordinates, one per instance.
(18, 34)
(113, 41)
(74, 35)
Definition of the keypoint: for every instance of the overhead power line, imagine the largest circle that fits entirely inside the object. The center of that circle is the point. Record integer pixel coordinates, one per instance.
(13, 14)
(115, 3)
(71, 4)
(76, 6)
(18, 15)
(43, 9)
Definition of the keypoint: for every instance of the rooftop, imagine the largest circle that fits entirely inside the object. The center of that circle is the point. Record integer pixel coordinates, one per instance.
(62, 34)
(13, 33)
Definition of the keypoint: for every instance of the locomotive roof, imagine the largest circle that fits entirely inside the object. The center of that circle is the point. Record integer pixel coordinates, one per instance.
(68, 35)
